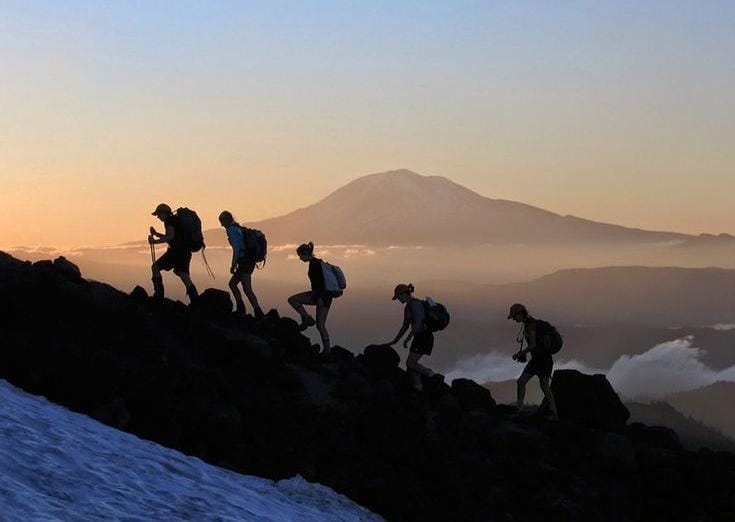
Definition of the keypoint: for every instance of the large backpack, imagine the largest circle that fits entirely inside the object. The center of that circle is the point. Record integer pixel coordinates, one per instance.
(436, 315)
(334, 279)
(256, 244)
(191, 227)
(548, 337)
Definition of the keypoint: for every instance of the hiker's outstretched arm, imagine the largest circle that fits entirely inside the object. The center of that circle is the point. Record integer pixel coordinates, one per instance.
(401, 332)
(408, 339)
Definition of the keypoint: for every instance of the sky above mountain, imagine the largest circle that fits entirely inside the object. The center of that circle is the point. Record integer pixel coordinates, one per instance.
(617, 111)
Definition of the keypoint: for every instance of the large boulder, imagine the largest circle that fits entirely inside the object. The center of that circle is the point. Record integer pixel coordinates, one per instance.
(471, 395)
(214, 303)
(68, 269)
(381, 359)
(589, 400)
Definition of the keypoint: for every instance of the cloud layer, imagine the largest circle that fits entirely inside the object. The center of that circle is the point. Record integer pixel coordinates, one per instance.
(666, 368)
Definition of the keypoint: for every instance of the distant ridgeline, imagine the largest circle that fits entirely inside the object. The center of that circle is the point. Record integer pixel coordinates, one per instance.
(256, 398)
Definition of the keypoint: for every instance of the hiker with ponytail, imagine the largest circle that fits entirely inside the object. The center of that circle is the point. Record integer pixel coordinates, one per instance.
(414, 317)
(319, 296)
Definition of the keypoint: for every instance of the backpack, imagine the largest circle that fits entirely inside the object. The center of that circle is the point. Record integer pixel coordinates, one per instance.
(191, 227)
(548, 337)
(256, 244)
(334, 279)
(436, 315)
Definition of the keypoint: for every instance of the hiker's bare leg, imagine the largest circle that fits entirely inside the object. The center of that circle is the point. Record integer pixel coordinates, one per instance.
(247, 285)
(191, 290)
(298, 301)
(234, 280)
(549, 395)
(322, 312)
(522, 382)
(412, 363)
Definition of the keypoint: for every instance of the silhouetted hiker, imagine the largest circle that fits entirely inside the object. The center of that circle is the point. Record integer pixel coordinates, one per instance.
(327, 282)
(415, 317)
(543, 341)
(178, 255)
(247, 250)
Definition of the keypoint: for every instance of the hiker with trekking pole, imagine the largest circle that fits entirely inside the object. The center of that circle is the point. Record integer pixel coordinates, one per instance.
(183, 234)
(542, 342)
(424, 318)
(249, 247)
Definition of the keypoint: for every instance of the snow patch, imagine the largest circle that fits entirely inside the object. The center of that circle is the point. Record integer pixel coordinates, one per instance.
(59, 465)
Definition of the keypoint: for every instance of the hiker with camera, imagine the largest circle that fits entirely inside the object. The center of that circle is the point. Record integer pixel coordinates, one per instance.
(423, 318)
(327, 283)
(181, 236)
(542, 341)
(249, 248)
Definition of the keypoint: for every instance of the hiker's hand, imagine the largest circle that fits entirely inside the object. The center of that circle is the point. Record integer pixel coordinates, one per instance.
(405, 343)
(153, 231)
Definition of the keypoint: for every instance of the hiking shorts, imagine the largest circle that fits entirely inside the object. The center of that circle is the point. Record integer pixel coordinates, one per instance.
(540, 365)
(245, 267)
(326, 299)
(423, 343)
(175, 259)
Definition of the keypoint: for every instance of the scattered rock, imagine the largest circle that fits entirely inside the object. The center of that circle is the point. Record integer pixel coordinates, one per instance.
(472, 396)
(214, 303)
(68, 269)
(383, 360)
(589, 400)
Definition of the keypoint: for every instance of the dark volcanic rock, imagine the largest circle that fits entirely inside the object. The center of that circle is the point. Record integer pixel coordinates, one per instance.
(254, 396)
(214, 303)
(588, 400)
(67, 269)
(472, 396)
(382, 360)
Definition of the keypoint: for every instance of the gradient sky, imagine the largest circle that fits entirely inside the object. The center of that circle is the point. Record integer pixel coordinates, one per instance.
(621, 111)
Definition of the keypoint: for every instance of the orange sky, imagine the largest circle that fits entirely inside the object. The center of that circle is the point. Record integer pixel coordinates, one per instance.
(610, 112)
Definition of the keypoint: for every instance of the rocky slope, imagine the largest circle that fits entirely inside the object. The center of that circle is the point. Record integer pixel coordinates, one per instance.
(255, 398)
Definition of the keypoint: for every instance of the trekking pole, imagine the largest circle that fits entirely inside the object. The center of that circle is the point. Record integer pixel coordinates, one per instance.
(153, 249)
(206, 264)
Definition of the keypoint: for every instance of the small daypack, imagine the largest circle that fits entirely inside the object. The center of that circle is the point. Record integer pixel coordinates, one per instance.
(191, 227)
(256, 244)
(548, 337)
(334, 279)
(437, 315)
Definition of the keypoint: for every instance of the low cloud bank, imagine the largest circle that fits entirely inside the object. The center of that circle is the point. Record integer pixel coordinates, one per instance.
(666, 368)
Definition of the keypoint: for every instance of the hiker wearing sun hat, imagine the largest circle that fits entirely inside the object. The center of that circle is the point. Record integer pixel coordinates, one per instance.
(178, 255)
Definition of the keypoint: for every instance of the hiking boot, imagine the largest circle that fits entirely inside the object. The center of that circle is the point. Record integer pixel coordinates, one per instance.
(240, 309)
(306, 322)
(259, 313)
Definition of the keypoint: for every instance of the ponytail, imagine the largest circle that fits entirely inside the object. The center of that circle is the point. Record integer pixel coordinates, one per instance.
(305, 249)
